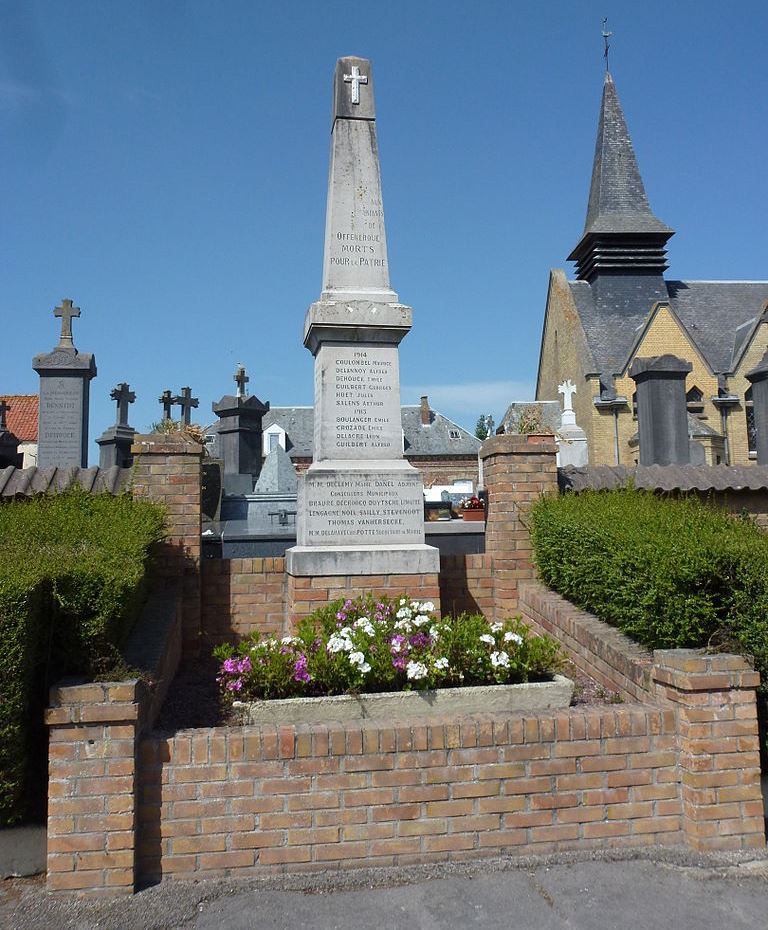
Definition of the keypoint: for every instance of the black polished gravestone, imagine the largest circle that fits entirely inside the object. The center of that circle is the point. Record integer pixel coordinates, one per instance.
(65, 376)
(9, 443)
(115, 443)
(240, 432)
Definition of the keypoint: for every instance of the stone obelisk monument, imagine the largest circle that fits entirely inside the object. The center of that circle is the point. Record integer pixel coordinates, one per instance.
(361, 504)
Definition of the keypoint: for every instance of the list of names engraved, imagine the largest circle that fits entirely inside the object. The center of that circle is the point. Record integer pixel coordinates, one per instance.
(367, 508)
(61, 417)
(359, 402)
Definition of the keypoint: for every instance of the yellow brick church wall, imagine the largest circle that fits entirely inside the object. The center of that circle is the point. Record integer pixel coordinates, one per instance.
(738, 385)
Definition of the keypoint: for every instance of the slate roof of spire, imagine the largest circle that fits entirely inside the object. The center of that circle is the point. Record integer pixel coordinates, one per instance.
(617, 198)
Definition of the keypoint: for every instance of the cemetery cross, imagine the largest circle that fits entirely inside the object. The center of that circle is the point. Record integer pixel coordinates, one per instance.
(241, 379)
(186, 401)
(166, 399)
(355, 79)
(124, 396)
(65, 312)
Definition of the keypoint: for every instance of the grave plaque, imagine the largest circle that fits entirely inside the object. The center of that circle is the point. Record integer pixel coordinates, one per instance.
(360, 503)
(65, 376)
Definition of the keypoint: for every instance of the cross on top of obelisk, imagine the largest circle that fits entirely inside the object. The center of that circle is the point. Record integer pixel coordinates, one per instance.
(186, 401)
(355, 79)
(4, 408)
(65, 312)
(124, 396)
(241, 379)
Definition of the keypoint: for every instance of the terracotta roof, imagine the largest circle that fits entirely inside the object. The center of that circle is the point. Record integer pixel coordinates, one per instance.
(21, 419)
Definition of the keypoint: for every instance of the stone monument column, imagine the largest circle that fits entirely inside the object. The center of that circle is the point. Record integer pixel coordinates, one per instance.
(65, 378)
(361, 504)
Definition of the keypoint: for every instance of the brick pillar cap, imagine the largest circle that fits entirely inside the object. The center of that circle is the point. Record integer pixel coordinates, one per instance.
(519, 444)
(165, 444)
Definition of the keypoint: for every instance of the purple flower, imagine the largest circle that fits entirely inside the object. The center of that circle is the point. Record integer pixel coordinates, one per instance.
(245, 666)
(419, 640)
(398, 644)
(300, 672)
(400, 662)
(231, 666)
(235, 685)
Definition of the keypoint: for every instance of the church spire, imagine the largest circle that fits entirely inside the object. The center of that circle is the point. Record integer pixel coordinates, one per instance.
(621, 233)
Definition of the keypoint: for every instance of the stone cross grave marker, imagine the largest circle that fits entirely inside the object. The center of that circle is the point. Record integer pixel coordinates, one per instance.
(567, 389)
(124, 396)
(186, 401)
(166, 399)
(241, 379)
(66, 312)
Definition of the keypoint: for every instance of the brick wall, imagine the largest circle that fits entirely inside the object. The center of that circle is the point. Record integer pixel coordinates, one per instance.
(241, 596)
(517, 470)
(92, 787)
(304, 595)
(243, 800)
(466, 584)
(167, 469)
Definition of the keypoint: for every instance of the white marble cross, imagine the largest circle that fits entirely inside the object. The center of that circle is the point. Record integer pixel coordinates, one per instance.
(355, 79)
(567, 389)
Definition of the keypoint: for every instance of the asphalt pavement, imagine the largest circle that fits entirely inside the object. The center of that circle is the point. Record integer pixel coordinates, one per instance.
(605, 891)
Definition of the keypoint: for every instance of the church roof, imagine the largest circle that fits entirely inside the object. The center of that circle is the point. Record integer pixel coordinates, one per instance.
(719, 317)
(441, 437)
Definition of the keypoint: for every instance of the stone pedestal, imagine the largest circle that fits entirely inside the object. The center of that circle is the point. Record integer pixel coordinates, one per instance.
(661, 409)
(115, 446)
(65, 377)
(759, 380)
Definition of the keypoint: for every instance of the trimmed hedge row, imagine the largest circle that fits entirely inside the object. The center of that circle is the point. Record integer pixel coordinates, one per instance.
(670, 573)
(72, 571)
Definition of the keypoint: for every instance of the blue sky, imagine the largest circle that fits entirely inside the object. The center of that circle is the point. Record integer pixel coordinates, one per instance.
(164, 164)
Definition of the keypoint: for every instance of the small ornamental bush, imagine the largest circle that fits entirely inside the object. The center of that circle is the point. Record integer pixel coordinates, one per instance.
(668, 572)
(370, 645)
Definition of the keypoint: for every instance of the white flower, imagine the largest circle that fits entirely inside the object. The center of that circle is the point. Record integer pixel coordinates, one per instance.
(487, 638)
(404, 625)
(510, 637)
(341, 641)
(441, 663)
(499, 659)
(403, 613)
(427, 607)
(416, 670)
(358, 659)
(365, 625)
(495, 627)
(433, 633)
(420, 620)
(288, 640)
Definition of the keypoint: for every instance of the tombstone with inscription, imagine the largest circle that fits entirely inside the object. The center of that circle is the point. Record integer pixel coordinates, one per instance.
(115, 443)
(65, 377)
(361, 504)
(9, 442)
(239, 431)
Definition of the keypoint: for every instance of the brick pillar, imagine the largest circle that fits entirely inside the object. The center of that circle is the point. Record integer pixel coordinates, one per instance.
(517, 470)
(92, 787)
(718, 744)
(167, 468)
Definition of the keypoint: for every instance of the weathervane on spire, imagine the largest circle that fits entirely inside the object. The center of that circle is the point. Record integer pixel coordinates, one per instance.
(606, 36)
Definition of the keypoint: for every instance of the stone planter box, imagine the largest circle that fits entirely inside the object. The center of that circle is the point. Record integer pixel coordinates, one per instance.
(401, 705)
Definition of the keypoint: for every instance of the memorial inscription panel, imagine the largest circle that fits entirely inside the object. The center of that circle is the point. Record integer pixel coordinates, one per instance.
(363, 508)
(358, 403)
(60, 437)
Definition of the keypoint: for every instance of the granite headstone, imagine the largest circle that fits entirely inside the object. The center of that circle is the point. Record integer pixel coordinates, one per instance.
(662, 416)
(65, 377)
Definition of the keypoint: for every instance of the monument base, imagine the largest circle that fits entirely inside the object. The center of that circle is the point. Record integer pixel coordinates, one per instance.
(321, 561)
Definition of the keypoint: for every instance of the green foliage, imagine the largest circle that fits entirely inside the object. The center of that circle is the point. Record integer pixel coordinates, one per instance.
(481, 428)
(72, 571)
(370, 645)
(670, 573)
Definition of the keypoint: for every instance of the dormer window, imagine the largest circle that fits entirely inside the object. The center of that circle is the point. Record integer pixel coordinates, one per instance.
(454, 434)
(694, 400)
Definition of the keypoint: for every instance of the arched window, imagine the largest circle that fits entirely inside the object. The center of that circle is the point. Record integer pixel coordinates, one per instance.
(749, 411)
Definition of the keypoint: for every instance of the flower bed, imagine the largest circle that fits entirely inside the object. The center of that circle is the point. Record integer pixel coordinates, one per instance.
(370, 646)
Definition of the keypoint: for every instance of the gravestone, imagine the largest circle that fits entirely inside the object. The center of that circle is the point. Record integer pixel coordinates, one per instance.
(571, 438)
(239, 430)
(361, 504)
(166, 399)
(662, 415)
(9, 443)
(758, 377)
(115, 443)
(65, 377)
(186, 401)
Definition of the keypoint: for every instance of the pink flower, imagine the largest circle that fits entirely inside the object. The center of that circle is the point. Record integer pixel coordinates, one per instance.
(235, 685)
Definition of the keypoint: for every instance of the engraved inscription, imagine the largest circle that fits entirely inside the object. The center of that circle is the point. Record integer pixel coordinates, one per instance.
(60, 431)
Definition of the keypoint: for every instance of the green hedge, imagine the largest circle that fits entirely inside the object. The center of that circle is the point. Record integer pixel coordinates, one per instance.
(72, 572)
(667, 572)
